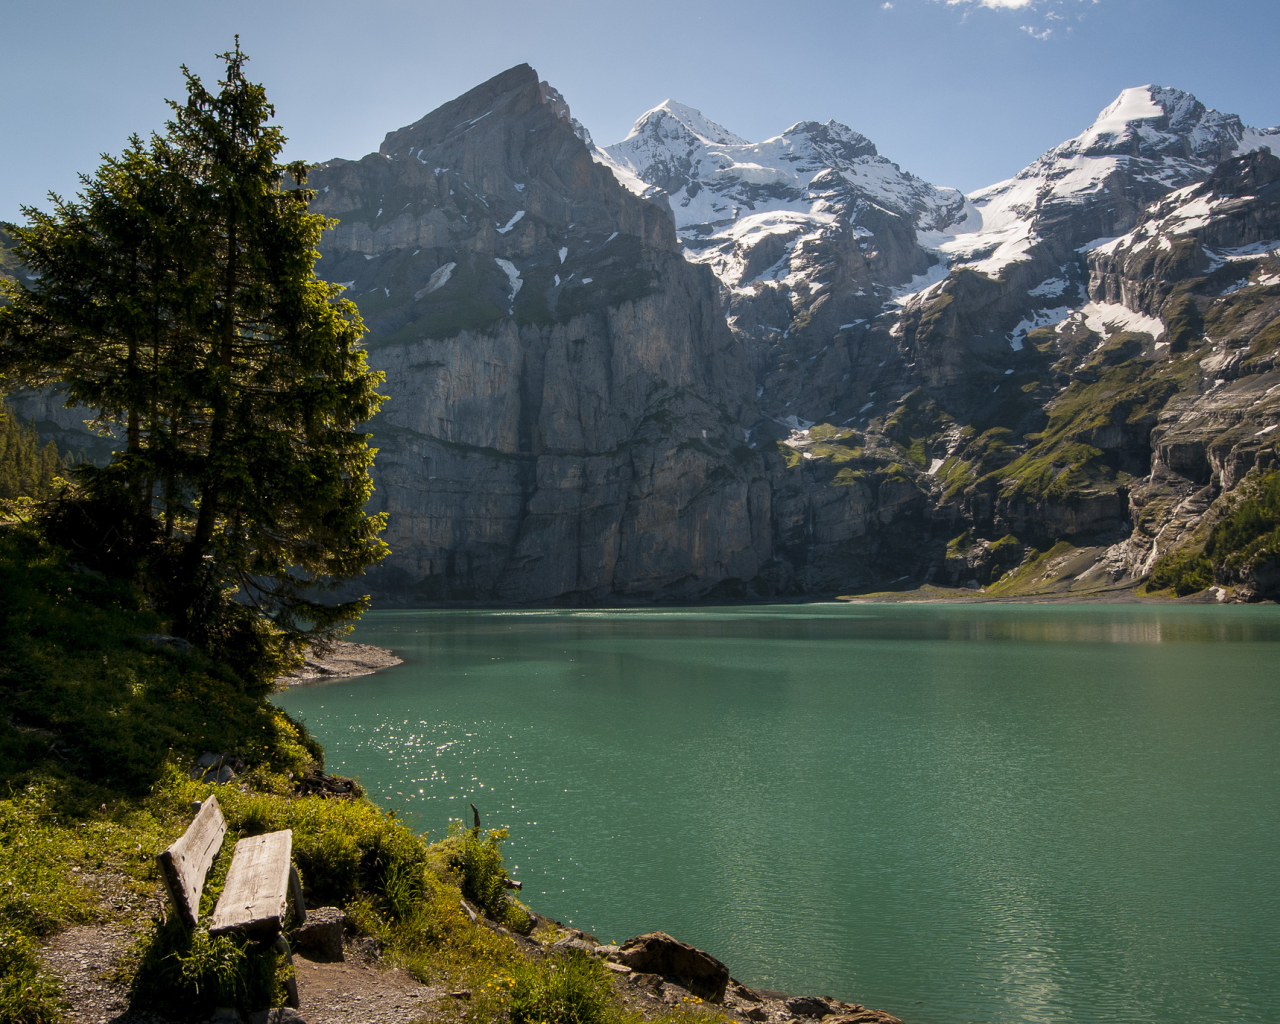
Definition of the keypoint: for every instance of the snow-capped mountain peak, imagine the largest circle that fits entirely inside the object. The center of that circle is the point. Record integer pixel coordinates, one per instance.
(1151, 121)
(751, 207)
(1148, 142)
(714, 177)
(666, 120)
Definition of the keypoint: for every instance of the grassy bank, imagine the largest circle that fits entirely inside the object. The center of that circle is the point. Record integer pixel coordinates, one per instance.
(99, 726)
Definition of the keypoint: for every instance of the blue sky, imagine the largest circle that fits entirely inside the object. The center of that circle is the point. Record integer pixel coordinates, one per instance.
(961, 92)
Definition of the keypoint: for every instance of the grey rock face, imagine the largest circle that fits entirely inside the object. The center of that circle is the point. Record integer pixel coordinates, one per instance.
(565, 395)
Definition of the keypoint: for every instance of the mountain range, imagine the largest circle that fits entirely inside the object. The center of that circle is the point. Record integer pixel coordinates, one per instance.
(688, 366)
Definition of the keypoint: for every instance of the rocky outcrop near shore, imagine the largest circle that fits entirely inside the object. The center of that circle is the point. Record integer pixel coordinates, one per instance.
(339, 659)
(655, 972)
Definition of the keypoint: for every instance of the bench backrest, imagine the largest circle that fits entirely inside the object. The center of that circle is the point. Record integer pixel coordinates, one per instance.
(183, 865)
(256, 892)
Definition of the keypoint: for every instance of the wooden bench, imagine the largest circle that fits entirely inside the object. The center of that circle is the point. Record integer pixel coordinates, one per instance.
(255, 897)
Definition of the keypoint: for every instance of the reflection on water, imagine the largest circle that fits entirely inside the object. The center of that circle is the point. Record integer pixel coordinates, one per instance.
(1142, 624)
(977, 813)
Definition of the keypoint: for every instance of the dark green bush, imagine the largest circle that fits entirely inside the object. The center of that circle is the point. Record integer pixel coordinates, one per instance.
(1184, 572)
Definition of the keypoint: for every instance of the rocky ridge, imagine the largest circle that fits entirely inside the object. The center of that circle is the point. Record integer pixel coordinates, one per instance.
(687, 365)
(1010, 396)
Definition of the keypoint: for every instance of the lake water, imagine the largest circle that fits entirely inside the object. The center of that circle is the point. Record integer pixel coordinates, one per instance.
(960, 814)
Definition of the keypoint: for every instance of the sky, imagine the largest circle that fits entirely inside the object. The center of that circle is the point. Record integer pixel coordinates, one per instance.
(960, 92)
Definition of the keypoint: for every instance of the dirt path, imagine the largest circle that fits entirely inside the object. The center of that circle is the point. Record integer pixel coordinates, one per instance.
(355, 992)
(85, 958)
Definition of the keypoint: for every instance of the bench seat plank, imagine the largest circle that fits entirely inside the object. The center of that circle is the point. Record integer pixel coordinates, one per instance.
(183, 865)
(257, 888)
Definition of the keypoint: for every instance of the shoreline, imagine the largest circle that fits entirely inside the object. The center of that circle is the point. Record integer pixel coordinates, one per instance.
(340, 659)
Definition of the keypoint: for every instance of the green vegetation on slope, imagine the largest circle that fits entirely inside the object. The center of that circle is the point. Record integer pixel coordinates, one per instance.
(1248, 537)
(99, 725)
(98, 728)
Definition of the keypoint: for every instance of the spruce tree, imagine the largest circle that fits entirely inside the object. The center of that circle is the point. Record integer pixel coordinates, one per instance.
(177, 297)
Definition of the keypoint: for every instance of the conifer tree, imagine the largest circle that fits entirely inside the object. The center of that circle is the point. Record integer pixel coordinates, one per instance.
(177, 297)
(27, 470)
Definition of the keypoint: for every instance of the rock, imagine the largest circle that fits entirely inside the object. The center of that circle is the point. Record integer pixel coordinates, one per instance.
(618, 968)
(566, 396)
(570, 942)
(338, 659)
(321, 935)
(674, 995)
(808, 1006)
(314, 782)
(216, 768)
(462, 993)
(864, 1016)
(369, 947)
(758, 1013)
(742, 992)
(658, 953)
(169, 643)
(278, 1015)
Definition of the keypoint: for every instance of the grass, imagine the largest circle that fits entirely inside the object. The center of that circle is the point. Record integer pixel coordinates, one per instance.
(1028, 577)
(569, 989)
(27, 994)
(85, 696)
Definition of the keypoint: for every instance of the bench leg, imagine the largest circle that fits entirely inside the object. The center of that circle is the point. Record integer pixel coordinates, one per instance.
(295, 892)
(291, 985)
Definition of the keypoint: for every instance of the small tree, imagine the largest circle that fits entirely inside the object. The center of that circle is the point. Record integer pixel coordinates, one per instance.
(177, 297)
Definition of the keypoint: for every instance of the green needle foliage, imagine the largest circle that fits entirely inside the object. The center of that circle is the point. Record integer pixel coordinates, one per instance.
(177, 297)
(27, 470)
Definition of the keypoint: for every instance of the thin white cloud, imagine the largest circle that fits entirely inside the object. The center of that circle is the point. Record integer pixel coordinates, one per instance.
(886, 6)
(1012, 4)
(1049, 10)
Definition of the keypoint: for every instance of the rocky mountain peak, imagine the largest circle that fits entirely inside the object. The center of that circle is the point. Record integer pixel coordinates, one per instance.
(672, 120)
(509, 94)
(1154, 121)
(835, 142)
(1257, 172)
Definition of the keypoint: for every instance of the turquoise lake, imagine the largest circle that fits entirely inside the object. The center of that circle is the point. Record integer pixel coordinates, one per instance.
(960, 814)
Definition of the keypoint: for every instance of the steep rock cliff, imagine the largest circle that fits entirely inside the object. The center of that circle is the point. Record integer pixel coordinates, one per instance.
(565, 397)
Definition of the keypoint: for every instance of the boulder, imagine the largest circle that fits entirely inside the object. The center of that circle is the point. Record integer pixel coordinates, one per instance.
(808, 1006)
(658, 953)
(321, 934)
(215, 767)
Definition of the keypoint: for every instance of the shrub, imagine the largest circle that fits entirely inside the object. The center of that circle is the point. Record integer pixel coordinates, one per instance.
(188, 973)
(1184, 572)
(475, 858)
(572, 989)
